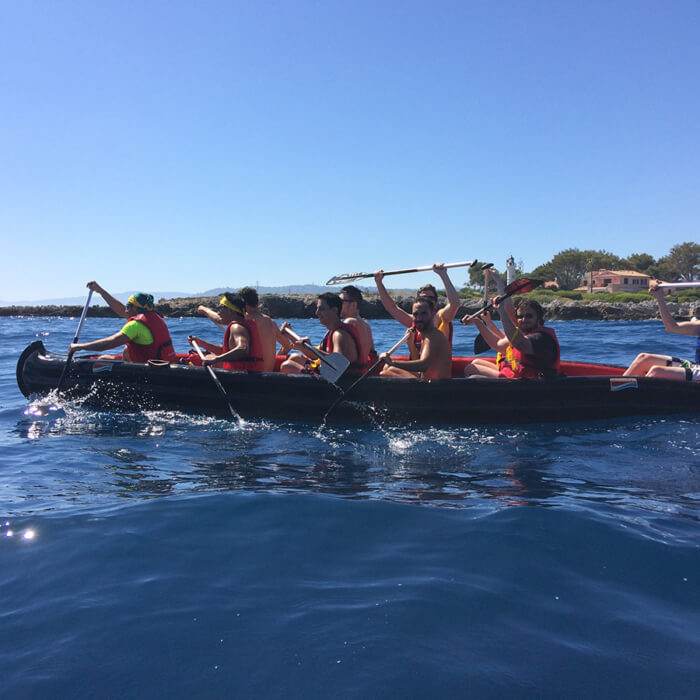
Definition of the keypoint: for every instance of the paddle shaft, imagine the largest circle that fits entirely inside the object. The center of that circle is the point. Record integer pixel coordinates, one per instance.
(367, 373)
(75, 339)
(350, 276)
(215, 379)
(679, 285)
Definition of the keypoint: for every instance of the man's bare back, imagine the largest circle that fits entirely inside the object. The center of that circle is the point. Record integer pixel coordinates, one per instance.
(269, 333)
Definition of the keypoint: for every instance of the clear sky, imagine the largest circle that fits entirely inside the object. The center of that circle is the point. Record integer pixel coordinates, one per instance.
(189, 145)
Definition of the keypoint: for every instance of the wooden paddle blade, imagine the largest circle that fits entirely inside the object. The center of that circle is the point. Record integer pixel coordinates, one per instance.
(333, 367)
(349, 277)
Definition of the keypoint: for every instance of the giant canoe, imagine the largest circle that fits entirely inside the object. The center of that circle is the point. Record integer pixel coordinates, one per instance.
(585, 392)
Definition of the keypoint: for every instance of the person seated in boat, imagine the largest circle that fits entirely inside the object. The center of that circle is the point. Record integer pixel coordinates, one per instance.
(270, 333)
(647, 364)
(444, 316)
(145, 335)
(691, 327)
(241, 348)
(351, 297)
(340, 337)
(527, 349)
(434, 360)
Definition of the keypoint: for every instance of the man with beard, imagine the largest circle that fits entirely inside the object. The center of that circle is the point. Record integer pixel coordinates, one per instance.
(527, 350)
(435, 359)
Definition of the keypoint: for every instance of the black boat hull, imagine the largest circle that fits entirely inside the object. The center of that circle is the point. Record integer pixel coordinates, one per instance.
(130, 386)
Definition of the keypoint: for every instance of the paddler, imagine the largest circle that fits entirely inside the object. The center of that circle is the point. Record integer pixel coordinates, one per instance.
(691, 327)
(444, 316)
(647, 364)
(241, 348)
(527, 349)
(340, 337)
(434, 361)
(145, 334)
(351, 297)
(268, 330)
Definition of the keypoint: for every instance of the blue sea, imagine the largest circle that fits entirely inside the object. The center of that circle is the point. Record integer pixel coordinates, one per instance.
(165, 555)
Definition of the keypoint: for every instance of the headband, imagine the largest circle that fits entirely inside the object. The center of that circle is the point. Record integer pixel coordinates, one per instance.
(230, 305)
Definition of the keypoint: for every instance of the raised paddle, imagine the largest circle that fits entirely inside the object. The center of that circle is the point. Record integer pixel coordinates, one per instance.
(366, 374)
(679, 285)
(75, 340)
(354, 276)
(521, 286)
(333, 364)
(215, 379)
(480, 345)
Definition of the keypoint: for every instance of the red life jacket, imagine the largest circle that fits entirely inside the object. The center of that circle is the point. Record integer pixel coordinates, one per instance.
(327, 346)
(162, 346)
(526, 366)
(254, 360)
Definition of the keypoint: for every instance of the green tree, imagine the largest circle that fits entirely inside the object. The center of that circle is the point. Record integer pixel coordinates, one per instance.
(640, 262)
(685, 259)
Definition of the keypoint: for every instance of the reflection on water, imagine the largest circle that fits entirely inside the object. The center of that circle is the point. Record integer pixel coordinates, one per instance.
(652, 464)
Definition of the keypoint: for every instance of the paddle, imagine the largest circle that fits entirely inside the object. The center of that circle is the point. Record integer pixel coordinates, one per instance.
(521, 286)
(75, 340)
(366, 374)
(480, 345)
(354, 276)
(215, 379)
(679, 285)
(332, 364)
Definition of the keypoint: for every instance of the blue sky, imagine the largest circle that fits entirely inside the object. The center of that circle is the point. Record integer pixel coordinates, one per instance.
(191, 145)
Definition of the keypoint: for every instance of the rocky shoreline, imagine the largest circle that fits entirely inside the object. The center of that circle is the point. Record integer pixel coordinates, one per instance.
(303, 306)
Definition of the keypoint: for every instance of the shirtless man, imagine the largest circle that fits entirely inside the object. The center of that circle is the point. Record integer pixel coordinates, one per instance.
(340, 337)
(435, 359)
(241, 348)
(444, 316)
(350, 313)
(270, 334)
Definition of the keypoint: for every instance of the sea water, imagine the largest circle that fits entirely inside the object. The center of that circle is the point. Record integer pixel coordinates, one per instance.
(155, 554)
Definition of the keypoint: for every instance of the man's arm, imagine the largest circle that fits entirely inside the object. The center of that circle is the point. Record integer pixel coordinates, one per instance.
(209, 347)
(449, 311)
(513, 334)
(283, 340)
(241, 341)
(419, 365)
(211, 315)
(393, 310)
(113, 341)
(670, 323)
(114, 304)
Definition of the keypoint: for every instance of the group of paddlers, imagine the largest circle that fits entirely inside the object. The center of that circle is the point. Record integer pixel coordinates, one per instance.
(525, 347)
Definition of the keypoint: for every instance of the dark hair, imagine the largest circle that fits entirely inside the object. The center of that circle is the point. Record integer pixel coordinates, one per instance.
(427, 288)
(525, 303)
(236, 300)
(249, 295)
(353, 293)
(333, 300)
(428, 301)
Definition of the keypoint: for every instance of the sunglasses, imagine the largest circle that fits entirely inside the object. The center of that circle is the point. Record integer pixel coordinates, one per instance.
(524, 315)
